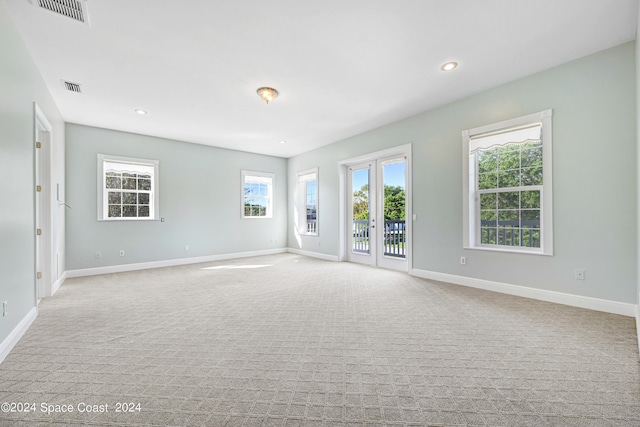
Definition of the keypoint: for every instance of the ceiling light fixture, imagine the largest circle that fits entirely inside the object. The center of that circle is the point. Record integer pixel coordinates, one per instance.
(268, 94)
(141, 112)
(283, 142)
(449, 66)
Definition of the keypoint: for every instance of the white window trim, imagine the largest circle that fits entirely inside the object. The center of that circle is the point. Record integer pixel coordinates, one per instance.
(154, 204)
(301, 228)
(471, 206)
(270, 175)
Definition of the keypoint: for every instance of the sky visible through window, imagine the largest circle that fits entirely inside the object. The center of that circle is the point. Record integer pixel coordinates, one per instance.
(393, 175)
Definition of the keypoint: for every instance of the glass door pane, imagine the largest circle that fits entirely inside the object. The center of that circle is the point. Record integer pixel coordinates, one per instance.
(393, 239)
(360, 190)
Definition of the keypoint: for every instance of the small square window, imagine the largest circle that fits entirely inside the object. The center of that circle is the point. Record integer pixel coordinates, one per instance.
(127, 188)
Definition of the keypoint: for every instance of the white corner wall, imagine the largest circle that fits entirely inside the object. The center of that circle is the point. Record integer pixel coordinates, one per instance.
(20, 86)
(594, 168)
(200, 200)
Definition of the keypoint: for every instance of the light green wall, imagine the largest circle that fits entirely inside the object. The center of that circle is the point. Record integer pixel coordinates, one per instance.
(200, 199)
(638, 183)
(20, 86)
(594, 168)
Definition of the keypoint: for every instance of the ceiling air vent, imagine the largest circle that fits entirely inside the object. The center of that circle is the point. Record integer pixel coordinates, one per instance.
(71, 87)
(74, 9)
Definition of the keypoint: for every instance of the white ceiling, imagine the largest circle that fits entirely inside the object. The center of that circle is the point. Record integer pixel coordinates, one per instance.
(342, 67)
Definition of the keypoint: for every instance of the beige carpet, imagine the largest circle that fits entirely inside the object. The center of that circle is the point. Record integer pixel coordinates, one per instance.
(291, 341)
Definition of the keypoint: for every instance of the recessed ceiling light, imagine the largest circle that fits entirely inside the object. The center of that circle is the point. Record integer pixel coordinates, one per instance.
(141, 112)
(283, 142)
(449, 66)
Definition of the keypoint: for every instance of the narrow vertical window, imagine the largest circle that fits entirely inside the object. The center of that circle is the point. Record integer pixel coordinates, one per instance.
(307, 202)
(257, 194)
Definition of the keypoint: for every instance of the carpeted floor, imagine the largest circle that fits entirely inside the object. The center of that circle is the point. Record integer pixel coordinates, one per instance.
(286, 340)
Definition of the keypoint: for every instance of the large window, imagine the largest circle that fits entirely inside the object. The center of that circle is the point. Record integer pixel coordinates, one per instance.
(508, 186)
(307, 202)
(127, 188)
(257, 194)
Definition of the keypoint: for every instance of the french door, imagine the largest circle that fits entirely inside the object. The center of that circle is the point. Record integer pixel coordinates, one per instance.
(376, 221)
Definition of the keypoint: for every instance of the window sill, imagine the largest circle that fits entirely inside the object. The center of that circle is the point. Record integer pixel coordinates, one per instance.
(127, 219)
(509, 250)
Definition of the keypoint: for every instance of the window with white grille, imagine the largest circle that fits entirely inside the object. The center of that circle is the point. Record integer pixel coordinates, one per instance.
(127, 188)
(507, 197)
(307, 202)
(257, 194)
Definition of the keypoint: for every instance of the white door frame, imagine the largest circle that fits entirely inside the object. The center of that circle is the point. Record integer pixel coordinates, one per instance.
(345, 228)
(42, 131)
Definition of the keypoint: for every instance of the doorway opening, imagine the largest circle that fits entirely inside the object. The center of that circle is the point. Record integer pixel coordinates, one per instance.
(376, 209)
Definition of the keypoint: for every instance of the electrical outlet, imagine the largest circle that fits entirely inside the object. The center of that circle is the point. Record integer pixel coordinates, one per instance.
(5, 310)
(463, 260)
(121, 252)
(98, 255)
(186, 247)
(579, 274)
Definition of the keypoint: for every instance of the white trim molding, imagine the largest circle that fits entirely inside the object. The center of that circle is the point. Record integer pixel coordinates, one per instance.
(607, 306)
(168, 263)
(56, 285)
(318, 255)
(43, 213)
(638, 321)
(18, 332)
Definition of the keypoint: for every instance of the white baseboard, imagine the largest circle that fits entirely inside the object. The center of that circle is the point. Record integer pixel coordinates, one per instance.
(56, 285)
(607, 306)
(12, 339)
(168, 263)
(325, 257)
(638, 321)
